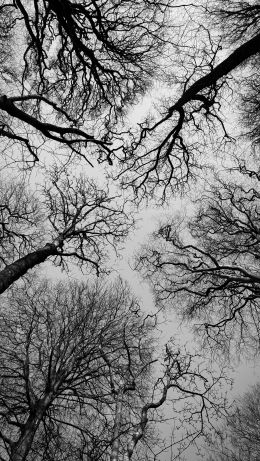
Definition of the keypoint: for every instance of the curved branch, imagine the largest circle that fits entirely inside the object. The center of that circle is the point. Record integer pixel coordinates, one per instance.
(57, 133)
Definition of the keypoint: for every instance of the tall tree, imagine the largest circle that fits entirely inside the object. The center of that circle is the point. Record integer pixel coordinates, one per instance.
(64, 351)
(174, 144)
(239, 437)
(208, 264)
(77, 377)
(70, 218)
(80, 60)
(77, 60)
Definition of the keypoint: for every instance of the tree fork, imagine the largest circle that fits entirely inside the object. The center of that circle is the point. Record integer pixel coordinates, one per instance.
(21, 448)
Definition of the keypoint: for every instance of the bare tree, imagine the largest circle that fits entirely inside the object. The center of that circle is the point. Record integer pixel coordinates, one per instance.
(77, 377)
(76, 60)
(172, 146)
(239, 437)
(208, 264)
(63, 351)
(72, 218)
(80, 60)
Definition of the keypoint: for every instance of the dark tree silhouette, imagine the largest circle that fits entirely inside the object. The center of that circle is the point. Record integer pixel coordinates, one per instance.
(172, 146)
(72, 218)
(209, 264)
(77, 60)
(239, 437)
(81, 63)
(77, 377)
(64, 351)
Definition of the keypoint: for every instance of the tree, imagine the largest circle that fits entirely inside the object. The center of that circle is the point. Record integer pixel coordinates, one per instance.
(63, 352)
(77, 60)
(82, 59)
(208, 264)
(171, 146)
(240, 434)
(72, 218)
(79, 66)
(77, 377)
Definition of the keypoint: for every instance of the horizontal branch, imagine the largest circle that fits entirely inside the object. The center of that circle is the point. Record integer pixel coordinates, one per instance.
(55, 132)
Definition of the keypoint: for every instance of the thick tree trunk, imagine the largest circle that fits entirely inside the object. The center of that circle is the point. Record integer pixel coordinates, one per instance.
(21, 448)
(17, 269)
(241, 54)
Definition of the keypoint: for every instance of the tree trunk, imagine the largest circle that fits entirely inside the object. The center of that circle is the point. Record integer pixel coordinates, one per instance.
(21, 448)
(117, 426)
(14, 271)
(241, 54)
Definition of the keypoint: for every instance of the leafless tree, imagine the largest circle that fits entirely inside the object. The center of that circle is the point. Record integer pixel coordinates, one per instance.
(71, 218)
(76, 60)
(208, 264)
(239, 437)
(77, 375)
(80, 60)
(173, 145)
(64, 351)
(81, 63)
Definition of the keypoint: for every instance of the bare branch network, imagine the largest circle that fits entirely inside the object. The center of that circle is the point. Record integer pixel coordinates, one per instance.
(78, 362)
(209, 264)
(72, 218)
(76, 375)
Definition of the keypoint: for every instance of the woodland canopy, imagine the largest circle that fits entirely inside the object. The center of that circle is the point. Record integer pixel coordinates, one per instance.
(108, 107)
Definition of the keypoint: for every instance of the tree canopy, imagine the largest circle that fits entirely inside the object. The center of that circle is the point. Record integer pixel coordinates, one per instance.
(240, 433)
(77, 164)
(208, 264)
(78, 377)
(79, 63)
